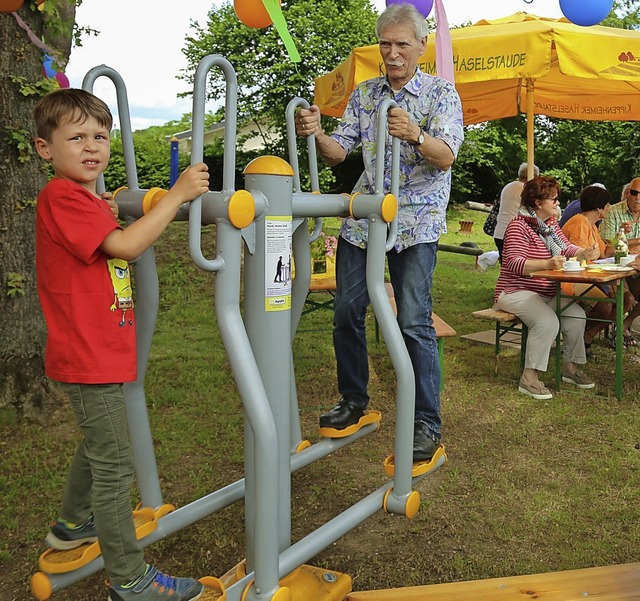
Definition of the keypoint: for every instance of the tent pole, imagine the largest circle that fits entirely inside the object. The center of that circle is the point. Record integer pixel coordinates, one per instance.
(530, 150)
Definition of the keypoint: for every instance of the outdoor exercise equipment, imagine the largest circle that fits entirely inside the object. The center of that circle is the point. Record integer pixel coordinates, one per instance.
(268, 219)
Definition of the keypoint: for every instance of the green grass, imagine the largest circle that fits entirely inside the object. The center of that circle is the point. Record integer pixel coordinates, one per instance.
(530, 486)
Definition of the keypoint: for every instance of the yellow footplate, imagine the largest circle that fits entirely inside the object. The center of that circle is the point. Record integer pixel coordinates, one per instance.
(420, 468)
(54, 561)
(214, 589)
(370, 416)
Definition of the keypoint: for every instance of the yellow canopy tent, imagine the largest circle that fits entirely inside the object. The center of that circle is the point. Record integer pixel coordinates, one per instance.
(520, 64)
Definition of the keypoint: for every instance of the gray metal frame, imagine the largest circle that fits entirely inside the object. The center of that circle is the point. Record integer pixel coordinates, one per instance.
(265, 379)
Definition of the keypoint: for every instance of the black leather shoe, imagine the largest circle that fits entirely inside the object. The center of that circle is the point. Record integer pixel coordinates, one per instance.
(343, 415)
(425, 442)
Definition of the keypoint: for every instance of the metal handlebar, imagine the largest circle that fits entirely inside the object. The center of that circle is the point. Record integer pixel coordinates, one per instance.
(197, 148)
(125, 121)
(395, 164)
(292, 145)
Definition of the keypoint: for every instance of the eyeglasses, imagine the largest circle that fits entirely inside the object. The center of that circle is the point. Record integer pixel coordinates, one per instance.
(554, 199)
(633, 192)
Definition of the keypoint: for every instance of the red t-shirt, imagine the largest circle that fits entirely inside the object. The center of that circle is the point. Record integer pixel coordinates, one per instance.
(86, 295)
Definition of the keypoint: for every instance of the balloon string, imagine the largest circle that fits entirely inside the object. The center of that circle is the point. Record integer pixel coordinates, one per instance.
(279, 22)
(32, 36)
(444, 51)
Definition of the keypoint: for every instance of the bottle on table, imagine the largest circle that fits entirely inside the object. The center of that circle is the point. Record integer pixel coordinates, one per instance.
(621, 247)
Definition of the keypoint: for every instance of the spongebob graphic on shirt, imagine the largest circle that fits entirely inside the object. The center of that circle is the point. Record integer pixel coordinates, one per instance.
(122, 293)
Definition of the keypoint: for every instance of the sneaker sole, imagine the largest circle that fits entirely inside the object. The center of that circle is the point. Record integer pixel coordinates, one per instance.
(538, 397)
(582, 386)
(198, 596)
(67, 545)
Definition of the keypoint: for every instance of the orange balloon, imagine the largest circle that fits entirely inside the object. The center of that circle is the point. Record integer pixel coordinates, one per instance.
(10, 6)
(252, 13)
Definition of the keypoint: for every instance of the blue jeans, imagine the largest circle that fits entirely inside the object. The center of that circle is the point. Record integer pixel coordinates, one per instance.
(411, 274)
(101, 476)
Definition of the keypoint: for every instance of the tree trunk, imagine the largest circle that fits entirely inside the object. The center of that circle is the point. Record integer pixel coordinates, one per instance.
(22, 175)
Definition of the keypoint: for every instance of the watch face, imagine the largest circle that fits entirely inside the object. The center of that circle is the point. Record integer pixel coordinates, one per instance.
(420, 138)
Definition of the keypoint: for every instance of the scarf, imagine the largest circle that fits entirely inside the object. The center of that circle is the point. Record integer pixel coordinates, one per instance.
(547, 233)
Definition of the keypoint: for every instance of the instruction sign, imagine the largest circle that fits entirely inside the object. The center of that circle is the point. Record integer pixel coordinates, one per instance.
(277, 269)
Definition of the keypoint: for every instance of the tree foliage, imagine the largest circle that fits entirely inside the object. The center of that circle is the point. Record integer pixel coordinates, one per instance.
(487, 158)
(324, 33)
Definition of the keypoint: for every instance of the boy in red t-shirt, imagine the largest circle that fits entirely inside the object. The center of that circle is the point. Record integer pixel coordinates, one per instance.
(84, 286)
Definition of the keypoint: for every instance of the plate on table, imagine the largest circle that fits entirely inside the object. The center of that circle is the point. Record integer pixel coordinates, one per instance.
(573, 270)
(616, 268)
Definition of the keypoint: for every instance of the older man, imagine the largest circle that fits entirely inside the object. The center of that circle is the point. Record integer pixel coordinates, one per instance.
(428, 120)
(626, 214)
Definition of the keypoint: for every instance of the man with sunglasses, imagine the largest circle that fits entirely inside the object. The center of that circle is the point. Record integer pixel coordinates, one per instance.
(625, 214)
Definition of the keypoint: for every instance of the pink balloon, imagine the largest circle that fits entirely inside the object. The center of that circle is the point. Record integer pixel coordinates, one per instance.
(424, 6)
(62, 80)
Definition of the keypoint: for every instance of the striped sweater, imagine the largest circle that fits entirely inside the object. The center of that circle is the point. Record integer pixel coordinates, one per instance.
(521, 244)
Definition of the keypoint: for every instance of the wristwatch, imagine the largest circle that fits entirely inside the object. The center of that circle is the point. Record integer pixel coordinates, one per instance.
(419, 141)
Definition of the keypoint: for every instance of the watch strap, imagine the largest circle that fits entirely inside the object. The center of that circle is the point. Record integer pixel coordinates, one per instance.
(419, 140)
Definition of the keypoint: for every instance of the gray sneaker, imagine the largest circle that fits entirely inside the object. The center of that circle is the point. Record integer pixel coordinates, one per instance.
(579, 379)
(537, 390)
(63, 537)
(156, 586)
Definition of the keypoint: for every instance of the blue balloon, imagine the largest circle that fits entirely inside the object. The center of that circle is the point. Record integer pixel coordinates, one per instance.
(47, 66)
(586, 12)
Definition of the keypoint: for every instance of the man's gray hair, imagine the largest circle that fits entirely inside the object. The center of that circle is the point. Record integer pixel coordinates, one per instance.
(625, 189)
(402, 14)
(522, 171)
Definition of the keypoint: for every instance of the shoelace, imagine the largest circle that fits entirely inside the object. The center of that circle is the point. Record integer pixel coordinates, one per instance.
(164, 581)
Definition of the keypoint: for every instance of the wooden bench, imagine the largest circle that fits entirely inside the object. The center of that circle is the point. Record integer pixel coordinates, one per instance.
(505, 323)
(442, 328)
(319, 285)
(604, 583)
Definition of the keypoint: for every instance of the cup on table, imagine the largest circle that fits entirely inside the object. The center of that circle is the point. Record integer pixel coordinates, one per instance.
(571, 265)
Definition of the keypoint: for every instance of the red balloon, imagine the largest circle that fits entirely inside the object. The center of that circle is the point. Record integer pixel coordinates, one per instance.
(62, 80)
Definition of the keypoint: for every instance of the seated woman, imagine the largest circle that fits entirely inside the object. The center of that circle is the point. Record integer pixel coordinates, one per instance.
(533, 241)
(581, 230)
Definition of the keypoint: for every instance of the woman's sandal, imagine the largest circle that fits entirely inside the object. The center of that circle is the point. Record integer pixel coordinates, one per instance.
(629, 339)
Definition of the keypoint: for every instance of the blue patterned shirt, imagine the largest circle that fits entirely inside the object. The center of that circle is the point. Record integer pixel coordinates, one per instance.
(424, 189)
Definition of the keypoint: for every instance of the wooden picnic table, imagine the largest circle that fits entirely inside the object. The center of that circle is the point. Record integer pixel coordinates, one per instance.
(602, 274)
